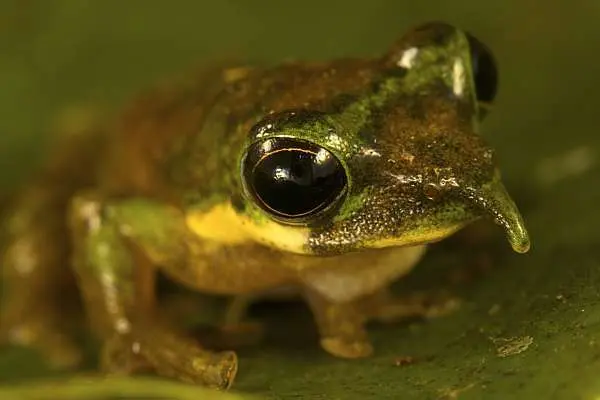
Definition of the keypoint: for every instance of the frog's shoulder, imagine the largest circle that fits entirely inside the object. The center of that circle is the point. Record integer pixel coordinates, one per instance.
(145, 131)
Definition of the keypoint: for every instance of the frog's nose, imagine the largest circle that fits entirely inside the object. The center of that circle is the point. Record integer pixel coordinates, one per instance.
(493, 199)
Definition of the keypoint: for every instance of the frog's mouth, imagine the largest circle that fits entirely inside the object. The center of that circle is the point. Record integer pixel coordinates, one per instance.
(495, 202)
(469, 203)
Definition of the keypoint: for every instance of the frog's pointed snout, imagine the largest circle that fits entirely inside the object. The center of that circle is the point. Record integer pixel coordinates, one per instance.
(494, 201)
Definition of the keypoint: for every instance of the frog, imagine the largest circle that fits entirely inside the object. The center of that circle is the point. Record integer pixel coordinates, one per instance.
(326, 180)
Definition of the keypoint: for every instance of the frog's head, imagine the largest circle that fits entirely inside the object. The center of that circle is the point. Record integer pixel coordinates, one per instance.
(399, 163)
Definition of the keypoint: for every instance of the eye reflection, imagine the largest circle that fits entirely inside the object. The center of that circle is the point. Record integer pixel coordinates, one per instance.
(292, 178)
(281, 174)
(322, 156)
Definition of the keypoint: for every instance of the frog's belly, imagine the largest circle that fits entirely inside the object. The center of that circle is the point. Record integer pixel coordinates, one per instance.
(253, 269)
(354, 275)
(231, 270)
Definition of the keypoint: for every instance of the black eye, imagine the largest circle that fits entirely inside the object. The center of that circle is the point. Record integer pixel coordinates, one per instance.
(484, 69)
(292, 178)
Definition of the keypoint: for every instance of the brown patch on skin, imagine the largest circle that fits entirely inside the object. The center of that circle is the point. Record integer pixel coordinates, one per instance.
(442, 143)
(144, 136)
(444, 152)
(303, 86)
(170, 127)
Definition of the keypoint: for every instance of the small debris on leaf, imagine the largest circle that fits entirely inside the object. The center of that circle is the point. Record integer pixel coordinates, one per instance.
(511, 346)
(404, 361)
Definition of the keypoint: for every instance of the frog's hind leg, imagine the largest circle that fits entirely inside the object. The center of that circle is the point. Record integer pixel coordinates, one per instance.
(235, 330)
(341, 326)
(37, 282)
(386, 307)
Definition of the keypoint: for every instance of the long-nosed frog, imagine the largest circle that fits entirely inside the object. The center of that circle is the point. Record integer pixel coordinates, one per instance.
(326, 179)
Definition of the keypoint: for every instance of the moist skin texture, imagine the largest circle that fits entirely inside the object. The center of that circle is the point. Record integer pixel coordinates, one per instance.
(163, 188)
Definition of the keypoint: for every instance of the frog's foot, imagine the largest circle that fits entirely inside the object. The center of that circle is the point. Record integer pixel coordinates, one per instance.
(231, 336)
(385, 307)
(42, 334)
(169, 355)
(345, 346)
(236, 331)
(341, 327)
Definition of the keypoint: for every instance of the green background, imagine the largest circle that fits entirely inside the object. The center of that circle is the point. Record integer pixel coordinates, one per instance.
(55, 54)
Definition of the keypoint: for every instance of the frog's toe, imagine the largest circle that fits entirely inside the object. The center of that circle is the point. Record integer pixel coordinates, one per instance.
(443, 307)
(346, 347)
(169, 356)
(387, 308)
(219, 370)
(216, 370)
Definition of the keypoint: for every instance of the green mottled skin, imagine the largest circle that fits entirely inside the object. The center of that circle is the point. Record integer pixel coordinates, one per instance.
(404, 129)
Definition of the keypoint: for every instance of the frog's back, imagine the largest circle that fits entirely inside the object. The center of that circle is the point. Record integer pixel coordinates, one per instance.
(207, 161)
(147, 132)
(133, 156)
(185, 133)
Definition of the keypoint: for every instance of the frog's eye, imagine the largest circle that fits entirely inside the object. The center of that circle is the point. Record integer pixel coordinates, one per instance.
(293, 179)
(484, 70)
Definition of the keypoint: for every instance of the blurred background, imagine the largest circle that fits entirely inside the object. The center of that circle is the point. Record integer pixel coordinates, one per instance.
(56, 54)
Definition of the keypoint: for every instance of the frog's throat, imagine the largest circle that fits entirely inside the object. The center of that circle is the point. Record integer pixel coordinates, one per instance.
(495, 202)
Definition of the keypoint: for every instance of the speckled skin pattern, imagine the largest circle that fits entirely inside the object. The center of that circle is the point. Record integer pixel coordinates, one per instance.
(163, 187)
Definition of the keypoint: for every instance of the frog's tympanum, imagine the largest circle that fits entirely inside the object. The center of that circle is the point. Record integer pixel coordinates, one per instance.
(325, 179)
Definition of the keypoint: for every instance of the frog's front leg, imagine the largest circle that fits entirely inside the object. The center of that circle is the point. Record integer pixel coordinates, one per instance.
(341, 326)
(117, 245)
(354, 290)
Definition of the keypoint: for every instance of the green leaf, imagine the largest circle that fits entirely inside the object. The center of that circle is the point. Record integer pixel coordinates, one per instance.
(529, 325)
